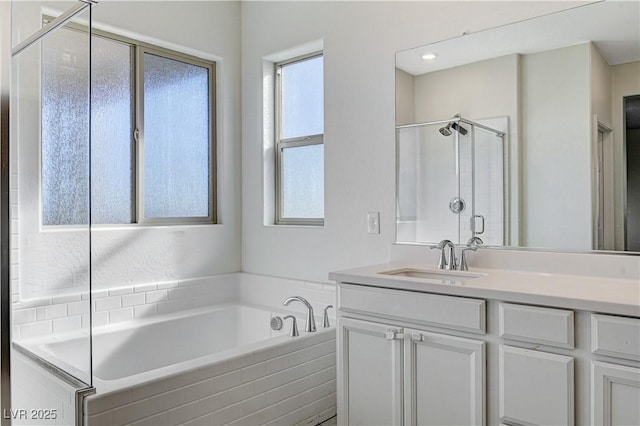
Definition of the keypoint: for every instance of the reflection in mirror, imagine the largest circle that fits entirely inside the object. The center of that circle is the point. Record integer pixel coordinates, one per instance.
(549, 153)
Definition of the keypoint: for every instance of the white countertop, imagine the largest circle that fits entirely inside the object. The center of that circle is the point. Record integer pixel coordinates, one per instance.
(596, 294)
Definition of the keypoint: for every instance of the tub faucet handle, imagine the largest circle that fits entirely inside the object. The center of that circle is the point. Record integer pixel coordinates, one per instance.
(325, 317)
(294, 326)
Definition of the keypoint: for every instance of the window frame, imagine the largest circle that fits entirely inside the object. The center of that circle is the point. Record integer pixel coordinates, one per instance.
(138, 137)
(295, 142)
(138, 49)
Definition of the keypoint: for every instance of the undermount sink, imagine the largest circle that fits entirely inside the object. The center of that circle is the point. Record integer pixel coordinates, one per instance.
(442, 275)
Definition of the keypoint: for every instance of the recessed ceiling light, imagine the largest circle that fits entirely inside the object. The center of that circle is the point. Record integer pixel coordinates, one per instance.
(429, 56)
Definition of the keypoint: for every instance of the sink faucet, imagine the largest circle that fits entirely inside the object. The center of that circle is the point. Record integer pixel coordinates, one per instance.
(451, 262)
(311, 322)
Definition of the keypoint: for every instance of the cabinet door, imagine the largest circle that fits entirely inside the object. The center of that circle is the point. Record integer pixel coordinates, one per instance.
(535, 387)
(444, 379)
(369, 373)
(615, 394)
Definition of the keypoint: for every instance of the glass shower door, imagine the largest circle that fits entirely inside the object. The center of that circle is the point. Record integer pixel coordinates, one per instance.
(450, 183)
(50, 214)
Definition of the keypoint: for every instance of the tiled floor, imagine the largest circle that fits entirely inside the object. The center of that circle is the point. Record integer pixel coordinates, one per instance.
(333, 421)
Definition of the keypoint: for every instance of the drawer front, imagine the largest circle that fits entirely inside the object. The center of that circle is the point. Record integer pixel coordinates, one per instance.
(617, 337)
(546, 326)
(456, 313)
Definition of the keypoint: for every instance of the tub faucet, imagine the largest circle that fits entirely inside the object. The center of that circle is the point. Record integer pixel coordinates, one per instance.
(445, 263)
(311, 322)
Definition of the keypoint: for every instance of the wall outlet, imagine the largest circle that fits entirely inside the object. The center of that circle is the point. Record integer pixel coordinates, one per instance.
(373, 222)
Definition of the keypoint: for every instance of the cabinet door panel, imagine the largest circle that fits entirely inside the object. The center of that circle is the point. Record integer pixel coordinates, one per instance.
(444, 379)
(615, 399)
(370, 374)
(535, 387)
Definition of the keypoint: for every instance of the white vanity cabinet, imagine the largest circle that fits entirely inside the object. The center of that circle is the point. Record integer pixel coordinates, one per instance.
(535, 386)
(392, 371)
(615, 388)
(408, 356)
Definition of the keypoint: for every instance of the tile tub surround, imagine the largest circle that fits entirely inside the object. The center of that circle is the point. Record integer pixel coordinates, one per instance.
(67, 313)
(289, 383)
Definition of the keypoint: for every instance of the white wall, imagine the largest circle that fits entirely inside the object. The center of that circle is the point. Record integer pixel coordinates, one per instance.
(134, 254)
(360, 41)
(556, 205)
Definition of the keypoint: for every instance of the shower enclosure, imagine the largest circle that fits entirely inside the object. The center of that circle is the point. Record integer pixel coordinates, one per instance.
(47, 165)
(451, 182)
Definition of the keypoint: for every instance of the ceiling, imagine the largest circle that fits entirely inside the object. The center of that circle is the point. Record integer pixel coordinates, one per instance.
(613, 26)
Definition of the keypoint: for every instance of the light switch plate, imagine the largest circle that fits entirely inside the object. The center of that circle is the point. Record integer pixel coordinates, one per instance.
(373, 222)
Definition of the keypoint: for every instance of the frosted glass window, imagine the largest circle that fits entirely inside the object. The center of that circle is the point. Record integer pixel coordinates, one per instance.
(302, 98)
(65, 128)
(176, 138)
(303, 182)
(175, 162)
(111, 132)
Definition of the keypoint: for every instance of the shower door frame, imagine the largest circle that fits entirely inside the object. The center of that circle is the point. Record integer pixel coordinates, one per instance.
(6, 57)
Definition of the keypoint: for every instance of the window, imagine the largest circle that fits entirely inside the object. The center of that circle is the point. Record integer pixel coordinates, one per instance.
(299, 141)
(152, 127)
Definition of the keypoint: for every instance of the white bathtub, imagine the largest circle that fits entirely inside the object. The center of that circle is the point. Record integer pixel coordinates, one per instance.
(211, 366)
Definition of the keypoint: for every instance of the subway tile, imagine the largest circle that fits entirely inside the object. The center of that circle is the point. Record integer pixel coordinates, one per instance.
(66, 298)
(133, 299)
(143, 288)
(156, 296)
(253, 372)
(198, 390)
(242, 392)
(155, 420)
(213, 370)
(23, 316)
(182, 379)
(62, 325)
(180, 293)
(167, 284)
(102, 419)
(144, 311)
(149, 389)
(99, 294)
(228, 380)
(166, 401)
(36, 329)
(78, 308)
(108, 303)
(120, 315)
(100, 318)
(98, 403)
(55, 311)
(240, 362)
(129, 413)
(120, 291)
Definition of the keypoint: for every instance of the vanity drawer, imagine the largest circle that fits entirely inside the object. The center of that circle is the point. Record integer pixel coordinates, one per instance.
(546, 326)
(456, 313)
(617, 337)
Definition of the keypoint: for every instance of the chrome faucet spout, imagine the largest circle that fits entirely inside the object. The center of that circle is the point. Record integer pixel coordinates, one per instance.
(311, 322)
(450, 262)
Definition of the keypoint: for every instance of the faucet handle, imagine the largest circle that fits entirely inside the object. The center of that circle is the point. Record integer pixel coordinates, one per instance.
(443, 260)
(294, 326)
(463, 258)
(325, 317)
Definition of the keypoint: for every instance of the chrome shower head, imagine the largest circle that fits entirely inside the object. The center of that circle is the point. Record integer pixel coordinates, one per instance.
(459, 128)
(444, 131)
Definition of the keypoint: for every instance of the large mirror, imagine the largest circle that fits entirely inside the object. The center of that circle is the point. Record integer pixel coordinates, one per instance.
(525, 135)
